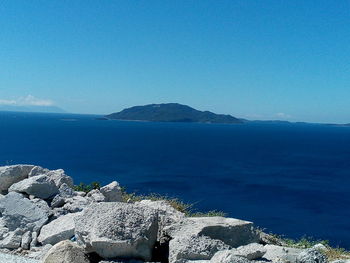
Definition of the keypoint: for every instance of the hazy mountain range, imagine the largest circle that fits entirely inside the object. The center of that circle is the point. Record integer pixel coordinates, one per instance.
(32, 108)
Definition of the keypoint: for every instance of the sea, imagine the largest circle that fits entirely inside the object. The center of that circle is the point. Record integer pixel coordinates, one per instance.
(291, 179)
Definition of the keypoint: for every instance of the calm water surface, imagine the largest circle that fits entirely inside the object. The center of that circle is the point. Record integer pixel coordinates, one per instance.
(292, 179)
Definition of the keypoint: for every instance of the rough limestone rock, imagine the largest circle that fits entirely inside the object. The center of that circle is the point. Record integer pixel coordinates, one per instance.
(112, 192)
(279, 253)
(251, 251)
(167, 215)
(227, 256)
(18, 216)
(194, 248)
(95, 196)
(66, 252)
(72, 205)
(10, 175)
(43, 205)
(117, 229)
(64, 192)
(60, 177)
(38, 170)
(312, 255)
(58, 230)
(40, 186)
(26, 239)
(231, 231)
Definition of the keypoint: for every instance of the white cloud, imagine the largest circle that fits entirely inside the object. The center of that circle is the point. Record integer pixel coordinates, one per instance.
(283, 115)
(8, 102)
(27, 101)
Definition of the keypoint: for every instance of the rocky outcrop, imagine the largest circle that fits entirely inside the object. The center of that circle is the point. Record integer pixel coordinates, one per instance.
(19, 216)
(40, 213)
(218, 233)
(12, 174)
(118, 230)
(66, 252)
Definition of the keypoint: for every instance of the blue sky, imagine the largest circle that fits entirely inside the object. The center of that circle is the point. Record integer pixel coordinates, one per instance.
(254, 59)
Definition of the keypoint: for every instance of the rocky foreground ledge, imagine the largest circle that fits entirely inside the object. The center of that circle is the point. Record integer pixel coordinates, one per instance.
(42, 219)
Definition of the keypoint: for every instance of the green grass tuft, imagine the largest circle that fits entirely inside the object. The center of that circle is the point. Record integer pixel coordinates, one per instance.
(82, 187)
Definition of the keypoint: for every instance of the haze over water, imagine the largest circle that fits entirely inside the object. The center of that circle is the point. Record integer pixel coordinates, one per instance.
(291, 179)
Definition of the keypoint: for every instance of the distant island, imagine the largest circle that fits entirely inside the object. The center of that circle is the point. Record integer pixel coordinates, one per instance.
(31, 108)
(171, 112)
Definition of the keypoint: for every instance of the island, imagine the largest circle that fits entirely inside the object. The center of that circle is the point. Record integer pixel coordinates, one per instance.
(171, 112)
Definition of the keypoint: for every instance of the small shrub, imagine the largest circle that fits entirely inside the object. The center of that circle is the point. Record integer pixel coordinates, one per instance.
(82, 187)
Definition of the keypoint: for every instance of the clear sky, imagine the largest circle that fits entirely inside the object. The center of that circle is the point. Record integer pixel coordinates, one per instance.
(268, 59)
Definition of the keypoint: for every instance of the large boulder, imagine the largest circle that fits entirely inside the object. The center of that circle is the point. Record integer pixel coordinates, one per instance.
(66, 252)
(40, 186)
(167, 215)
(279, 253)
(194, 248)
(58, 176)
(312, 255)
(12, 174)
(19, 215)
(118, 230)
(112, 192)
(58, 230)
(230, 231)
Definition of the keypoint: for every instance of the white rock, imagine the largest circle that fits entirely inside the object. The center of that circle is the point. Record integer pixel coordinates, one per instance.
(312, 255)
(112, 192)
(40, 186)
(58, 230)
(167, 215)
(279, 253)
(96, 196)
(251, 251)
(60, 177)
(12, 174)
(26, 239)
(34, 241)
(64, 192)
(194, 248)
(7, 258)
(66, 252)
(19, 215)
(38, 170)
(80, 193)
(230, 231)
(227, 256)
(320, 247)
(117, 229)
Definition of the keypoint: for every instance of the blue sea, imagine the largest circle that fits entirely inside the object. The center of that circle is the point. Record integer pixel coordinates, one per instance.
(291, 179)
